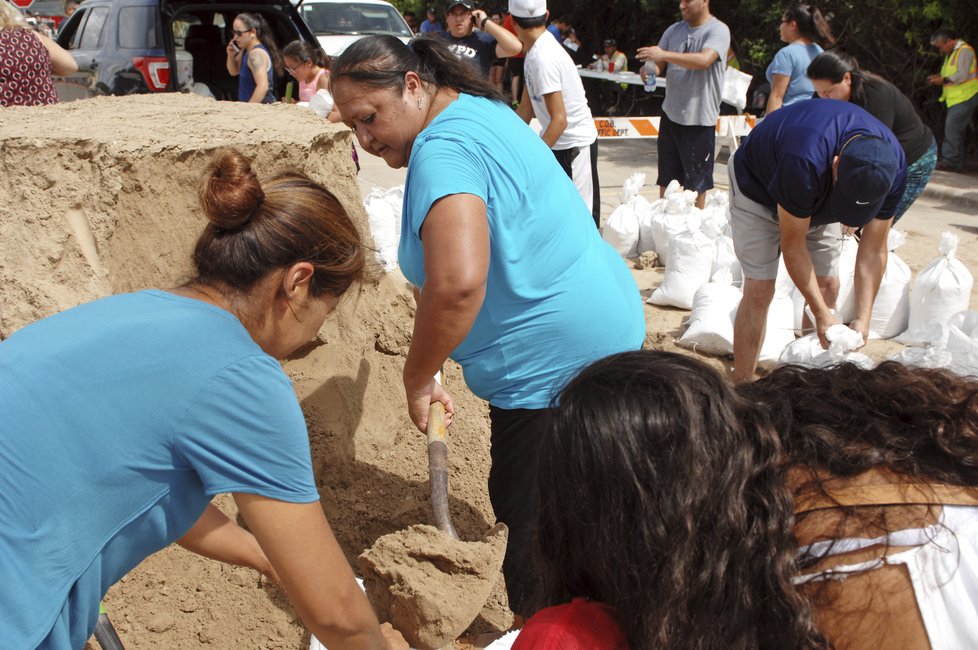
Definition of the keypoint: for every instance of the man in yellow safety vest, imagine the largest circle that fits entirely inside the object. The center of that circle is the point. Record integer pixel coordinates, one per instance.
(959, 80)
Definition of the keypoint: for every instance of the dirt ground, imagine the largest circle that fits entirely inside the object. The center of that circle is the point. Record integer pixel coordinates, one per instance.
(99, 197)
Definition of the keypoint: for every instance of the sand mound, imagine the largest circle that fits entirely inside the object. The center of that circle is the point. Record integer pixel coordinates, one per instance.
(99, 197)
(429, 585)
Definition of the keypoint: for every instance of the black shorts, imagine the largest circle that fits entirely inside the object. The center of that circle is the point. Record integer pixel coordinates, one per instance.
(686, 154)
(515, 438)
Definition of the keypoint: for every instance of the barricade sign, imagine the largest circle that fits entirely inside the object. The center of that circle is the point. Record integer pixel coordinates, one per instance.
(737, 126)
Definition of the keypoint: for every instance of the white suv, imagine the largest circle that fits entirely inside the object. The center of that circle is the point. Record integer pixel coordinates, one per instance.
(337, 23)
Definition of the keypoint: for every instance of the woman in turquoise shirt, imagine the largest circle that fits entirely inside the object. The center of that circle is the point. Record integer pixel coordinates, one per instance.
(123, 417)
(515, 283)
(805, 31)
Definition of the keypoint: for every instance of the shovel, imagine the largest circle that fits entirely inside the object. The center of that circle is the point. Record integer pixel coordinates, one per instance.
(425, 580)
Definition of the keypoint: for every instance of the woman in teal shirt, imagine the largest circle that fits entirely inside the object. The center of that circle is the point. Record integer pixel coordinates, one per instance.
(123, 417)
(515, 283)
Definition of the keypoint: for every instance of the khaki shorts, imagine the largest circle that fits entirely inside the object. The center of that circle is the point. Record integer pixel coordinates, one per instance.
(757, 237)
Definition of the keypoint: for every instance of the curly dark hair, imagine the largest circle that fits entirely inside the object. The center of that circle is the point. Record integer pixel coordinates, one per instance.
(918, 422)
(663, 494)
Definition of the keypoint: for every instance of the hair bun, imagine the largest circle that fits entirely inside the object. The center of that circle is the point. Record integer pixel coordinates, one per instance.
(230, 193)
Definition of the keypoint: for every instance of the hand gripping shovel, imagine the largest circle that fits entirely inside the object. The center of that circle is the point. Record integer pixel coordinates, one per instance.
(425, 580)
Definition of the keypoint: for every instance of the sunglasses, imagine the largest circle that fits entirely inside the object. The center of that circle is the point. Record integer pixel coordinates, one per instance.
(297, 66)
(240, 33)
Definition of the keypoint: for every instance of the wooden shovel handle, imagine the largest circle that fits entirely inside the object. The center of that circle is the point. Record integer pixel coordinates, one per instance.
(438, 468)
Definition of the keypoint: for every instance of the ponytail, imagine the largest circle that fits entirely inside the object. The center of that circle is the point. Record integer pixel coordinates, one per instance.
(811, 23)
(381, 61)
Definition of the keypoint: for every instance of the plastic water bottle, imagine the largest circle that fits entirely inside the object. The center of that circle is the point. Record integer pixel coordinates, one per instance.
(649, 76)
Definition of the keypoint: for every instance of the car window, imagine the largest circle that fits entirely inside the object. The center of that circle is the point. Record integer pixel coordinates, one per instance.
(181, 26)
(138, 28)
(91, 35)
(353, 18)
(70, 32)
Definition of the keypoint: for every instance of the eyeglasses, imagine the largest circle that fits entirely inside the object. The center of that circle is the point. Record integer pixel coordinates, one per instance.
(240, 32)
(296, 67)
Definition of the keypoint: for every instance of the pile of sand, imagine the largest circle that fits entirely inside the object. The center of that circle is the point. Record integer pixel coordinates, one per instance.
(99, 197)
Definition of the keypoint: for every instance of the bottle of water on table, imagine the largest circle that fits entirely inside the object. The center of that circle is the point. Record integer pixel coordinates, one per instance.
(649, 76)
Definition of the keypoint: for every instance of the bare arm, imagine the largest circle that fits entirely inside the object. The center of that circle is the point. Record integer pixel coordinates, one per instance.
(798, 262)
(233, 62)
(217, 537)
(455, 237)
(507, 44)
(259, 63)
(62, 62)
(314, 572)
(779, 86)
(689, 60)
(870, 266)
(558, 118)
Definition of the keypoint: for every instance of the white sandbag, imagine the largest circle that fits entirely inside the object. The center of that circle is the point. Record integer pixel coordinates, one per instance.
(690, 262)
(926, 357)
(709, 328)
(726, 260)
(942, 289)
(962, 342)
(621, 229)
(843, 343)
(891, 310)
(672, 188)
(321, 102)
(717, 210)
(780, 327)
(646, 229)
(631, 187)
(785, 286)
(384, 217)
(846, 301)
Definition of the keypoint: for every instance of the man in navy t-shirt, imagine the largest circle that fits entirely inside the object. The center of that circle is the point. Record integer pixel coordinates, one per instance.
(803, 171)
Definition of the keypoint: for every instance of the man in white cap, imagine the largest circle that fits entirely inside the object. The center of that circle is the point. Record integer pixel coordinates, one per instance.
(553, 92)
(475, 38)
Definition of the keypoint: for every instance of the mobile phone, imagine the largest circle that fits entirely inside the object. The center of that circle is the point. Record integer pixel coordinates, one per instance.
(234, 46)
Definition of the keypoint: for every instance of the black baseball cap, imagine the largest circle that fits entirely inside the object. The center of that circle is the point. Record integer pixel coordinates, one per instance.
(468, 4)
(867, 169)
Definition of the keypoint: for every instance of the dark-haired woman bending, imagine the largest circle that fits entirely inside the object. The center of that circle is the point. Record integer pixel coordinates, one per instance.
(515, 282)
(812, 508)
(836, 75)
(123, 417)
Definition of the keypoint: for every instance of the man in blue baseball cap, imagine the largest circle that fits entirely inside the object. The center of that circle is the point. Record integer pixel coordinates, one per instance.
(803, 173)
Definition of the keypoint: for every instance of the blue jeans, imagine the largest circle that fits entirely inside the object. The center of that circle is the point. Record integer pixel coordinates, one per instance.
(955, 126)
(918, 173)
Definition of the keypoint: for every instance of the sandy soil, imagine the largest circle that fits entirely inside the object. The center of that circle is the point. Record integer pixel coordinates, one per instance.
(99, 197)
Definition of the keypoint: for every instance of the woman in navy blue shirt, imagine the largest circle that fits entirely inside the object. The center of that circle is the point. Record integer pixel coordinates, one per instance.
(253, 58)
